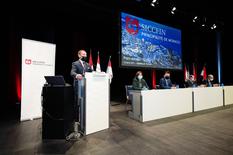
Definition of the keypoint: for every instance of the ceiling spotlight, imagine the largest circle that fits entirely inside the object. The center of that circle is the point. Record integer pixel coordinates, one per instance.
(154, 2)
(194, 19)
(204, 22)
(213, 26)
(173, 10)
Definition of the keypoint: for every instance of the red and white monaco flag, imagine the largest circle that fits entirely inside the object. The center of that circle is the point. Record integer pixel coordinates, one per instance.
(109, 69)
(98, 69)
(203, 73)
(186, 73)
(90, 61)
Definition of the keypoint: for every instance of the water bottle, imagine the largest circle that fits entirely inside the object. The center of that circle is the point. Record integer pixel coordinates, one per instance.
(76, 126)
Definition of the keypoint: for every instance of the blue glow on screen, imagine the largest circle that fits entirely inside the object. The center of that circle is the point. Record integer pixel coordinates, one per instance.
(148, 44)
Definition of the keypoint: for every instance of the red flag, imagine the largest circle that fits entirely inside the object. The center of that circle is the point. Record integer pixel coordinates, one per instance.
(109, 69)
(194, 72)
(186, 73)
(98, 69)
(153, 79)
(90, 61)
(203, 73)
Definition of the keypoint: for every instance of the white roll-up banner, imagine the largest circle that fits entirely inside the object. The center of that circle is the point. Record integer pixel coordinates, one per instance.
(38, 60)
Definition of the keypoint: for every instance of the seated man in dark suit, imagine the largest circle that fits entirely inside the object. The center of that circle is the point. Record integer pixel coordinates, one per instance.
(165, 82)
(209, 81)
(139, 83)
(191, 82)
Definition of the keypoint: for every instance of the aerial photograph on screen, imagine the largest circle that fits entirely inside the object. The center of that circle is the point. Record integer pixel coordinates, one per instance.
(148, 44)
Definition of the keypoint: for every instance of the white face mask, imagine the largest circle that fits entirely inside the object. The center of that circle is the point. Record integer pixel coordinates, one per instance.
(139, 77)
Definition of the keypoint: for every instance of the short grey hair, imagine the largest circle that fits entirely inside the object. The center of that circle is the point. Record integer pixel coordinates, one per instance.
(210, 76)
(80, 52)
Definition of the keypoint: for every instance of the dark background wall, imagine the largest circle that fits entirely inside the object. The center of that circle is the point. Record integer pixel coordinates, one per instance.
(74, 25)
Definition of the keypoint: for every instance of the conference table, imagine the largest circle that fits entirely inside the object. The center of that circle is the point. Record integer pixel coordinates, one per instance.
(148, 105)
(228, 95)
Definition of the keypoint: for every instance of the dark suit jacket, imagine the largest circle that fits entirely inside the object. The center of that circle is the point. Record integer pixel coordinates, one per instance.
(208, 83)
(190, 83)
(165, 85)
(139, 84)
(77, 68)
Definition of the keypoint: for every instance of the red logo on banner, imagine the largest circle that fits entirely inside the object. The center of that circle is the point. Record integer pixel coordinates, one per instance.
(28, 61)
(132, 25)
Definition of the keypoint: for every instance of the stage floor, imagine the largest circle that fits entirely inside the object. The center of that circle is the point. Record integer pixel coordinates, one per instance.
(206, 132)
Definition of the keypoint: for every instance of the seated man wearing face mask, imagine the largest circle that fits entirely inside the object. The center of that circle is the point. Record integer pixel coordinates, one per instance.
(209, 81)
(191, 82)
(139, 83)
(165, 82)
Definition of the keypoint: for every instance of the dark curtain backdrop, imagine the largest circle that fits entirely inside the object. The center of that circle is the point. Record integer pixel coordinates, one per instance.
(86, 26)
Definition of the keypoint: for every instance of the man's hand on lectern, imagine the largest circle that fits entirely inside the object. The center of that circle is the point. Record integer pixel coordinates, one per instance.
(79, 77)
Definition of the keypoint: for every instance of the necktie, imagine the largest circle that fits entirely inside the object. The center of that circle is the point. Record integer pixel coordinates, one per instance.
(82, 66)
(166, 82)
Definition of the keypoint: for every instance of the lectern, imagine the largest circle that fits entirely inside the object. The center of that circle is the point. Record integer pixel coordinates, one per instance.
(97, 96)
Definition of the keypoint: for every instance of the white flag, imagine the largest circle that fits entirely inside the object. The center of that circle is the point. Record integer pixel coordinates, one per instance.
(109, 69)
(98, 69)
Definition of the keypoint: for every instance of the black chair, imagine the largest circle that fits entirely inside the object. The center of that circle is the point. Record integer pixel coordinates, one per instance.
(128, 98)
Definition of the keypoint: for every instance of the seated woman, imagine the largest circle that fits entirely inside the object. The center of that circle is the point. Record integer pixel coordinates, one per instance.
(139, 83)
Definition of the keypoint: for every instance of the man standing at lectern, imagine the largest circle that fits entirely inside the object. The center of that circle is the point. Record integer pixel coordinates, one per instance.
(79, 67)
(78, 70)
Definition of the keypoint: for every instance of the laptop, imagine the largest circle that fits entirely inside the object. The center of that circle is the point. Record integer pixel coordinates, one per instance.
(57, 80)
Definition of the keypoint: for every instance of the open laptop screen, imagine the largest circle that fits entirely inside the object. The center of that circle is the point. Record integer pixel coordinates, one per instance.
(57, 80)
